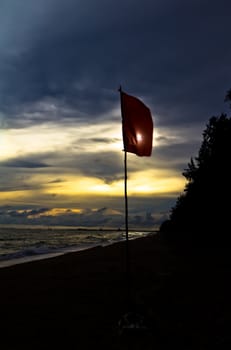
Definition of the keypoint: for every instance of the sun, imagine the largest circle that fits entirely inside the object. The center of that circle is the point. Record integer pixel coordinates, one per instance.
(139, 137)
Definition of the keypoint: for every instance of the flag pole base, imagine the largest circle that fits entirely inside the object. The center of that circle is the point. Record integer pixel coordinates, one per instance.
(132, 323)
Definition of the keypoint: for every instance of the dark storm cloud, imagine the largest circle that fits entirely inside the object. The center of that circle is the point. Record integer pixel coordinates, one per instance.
(17, 183)
(56, 181)
(22, 163)
(106, 166)
(102, 217)
(12, 186)
(25, 213)
(175, 156)
(176, 54)
(102, 140)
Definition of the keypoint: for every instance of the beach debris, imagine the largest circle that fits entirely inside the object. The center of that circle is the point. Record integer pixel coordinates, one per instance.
(132, 322)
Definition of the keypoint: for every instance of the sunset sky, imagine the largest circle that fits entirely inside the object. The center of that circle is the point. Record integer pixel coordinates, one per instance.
(61, 64)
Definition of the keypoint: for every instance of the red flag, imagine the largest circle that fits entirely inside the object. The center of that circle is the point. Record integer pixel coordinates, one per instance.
(137, 126)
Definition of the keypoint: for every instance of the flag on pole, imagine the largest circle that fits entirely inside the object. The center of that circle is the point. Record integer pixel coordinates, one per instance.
(137, 126)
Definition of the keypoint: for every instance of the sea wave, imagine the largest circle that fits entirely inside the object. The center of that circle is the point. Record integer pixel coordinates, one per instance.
(20, 245)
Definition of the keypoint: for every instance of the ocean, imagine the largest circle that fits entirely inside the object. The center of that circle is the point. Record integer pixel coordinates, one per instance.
(19, 244)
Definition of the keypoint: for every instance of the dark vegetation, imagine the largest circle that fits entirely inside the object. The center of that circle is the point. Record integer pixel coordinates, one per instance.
(201, 215)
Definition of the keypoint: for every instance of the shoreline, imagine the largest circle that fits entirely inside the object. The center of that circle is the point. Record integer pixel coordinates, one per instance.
(21, 259)
(44, 256)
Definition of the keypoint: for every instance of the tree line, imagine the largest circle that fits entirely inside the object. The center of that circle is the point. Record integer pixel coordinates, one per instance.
(201, 214)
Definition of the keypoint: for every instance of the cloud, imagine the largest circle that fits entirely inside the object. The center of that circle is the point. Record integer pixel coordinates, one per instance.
(103, 217)
(175, 55)
(61, 63)
(22, 163)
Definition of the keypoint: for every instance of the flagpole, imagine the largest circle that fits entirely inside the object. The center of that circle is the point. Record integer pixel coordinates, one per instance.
(137, 129)
(128, 277)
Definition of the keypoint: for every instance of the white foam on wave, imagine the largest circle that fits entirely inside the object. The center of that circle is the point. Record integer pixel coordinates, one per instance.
(25, 259)
(30, 258)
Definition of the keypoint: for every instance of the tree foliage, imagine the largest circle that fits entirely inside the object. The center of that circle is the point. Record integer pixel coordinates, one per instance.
(202, 210)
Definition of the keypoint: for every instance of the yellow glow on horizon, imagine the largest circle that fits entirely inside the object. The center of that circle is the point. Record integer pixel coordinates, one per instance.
(56, 212)
(17, 197)
(100, 188)
(145, 183)
(71, 140)
(154, 181)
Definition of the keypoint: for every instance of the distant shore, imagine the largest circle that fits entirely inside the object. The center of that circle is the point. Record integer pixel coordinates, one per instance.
(78, 299)
(82, 228)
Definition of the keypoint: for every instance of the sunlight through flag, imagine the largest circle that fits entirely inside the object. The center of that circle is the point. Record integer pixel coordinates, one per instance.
(137, 125)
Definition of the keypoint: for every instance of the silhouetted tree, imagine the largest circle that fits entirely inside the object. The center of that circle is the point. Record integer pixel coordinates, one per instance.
(201, 214)
(228, 96)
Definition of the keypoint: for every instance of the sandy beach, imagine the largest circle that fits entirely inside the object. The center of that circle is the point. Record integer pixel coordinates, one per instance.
(77, 300)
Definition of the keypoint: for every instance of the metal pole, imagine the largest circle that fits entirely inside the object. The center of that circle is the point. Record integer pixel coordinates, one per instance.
(127, 257)
(128, 276)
